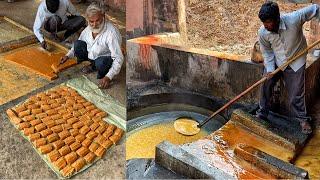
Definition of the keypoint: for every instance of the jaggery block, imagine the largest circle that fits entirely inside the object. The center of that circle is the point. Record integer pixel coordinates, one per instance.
(107, 144)
(72, 120)
(86, 142)
(64, 150)
(74, 132)
(41, 115)
(66, 126)
(94, 126)
(80, 138)
(111, 127)
(40, 127)
(20, 108)
(33, 106)
(83, 111)
(71, 157)
(40, 142)
(69, 140)
(60, 163)
(74, 146)
(91, 107)
(54, 155)
(100, 139)
(86, 104)
(51, 112)
(84, 130)
(90, 157)
(93, 147)
(46, 132)
(54, 105)
(50, 123)
(101, 114)
(67, 116)
(58, 144)
(76, 114)
(79, 164)
(100, 151)
(24, 113)
(29, 117)
(34, 137)
(53, 137)
(67, 171)
(23, 125)
(88, 122)
(64, 134)
(36, 111)
(118, 132)
(100, 129)
(46, 119)
(82, 151)
(84, 118)
(91, 135)
(115, 138)
(15, 120)
(107, 134)
(45, 149)
(56, 116)
(57, 128)
(28, 131)
(78, 125)
(51, 101)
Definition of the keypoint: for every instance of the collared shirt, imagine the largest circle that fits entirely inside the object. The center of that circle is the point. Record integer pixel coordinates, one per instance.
(106, 43)
(277, 48)
(65, 7)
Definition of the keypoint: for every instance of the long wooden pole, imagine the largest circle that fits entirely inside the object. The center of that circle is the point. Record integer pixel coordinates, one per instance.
(259, 82)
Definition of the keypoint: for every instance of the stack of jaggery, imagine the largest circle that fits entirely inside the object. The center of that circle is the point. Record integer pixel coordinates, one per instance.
(66, 128)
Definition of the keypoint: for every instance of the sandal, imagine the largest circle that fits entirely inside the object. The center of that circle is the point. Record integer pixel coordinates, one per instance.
(305, 127)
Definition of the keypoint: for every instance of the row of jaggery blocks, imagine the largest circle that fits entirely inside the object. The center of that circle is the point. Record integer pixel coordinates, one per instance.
(66, 127)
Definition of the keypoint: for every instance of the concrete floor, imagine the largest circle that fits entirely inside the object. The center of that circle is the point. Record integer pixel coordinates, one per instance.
(17, 157)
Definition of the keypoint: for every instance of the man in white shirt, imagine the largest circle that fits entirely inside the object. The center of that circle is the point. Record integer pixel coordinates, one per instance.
(99, 43)
(280, 38)
(55, 16)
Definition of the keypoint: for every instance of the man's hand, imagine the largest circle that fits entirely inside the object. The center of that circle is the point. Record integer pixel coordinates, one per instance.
(268, 75)
(44, 45)
(104, 83)
(64, 59)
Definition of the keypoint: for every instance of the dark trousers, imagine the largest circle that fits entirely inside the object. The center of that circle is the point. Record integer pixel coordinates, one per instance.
(295, 85)
(71, 25)
(101, 64)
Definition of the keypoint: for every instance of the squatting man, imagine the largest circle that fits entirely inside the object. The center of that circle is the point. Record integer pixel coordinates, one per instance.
(100, 44)
(55, 16)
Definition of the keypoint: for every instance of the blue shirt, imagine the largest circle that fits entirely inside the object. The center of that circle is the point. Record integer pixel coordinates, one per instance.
(277, 48)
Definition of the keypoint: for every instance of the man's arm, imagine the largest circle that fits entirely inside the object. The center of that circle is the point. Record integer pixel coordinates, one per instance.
(267, 53)
(40, 17)
(114, 43)
(71, 9)
(307, 13)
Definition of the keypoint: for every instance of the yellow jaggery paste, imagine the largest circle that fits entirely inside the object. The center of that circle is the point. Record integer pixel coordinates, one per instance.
(186, 126)
(38, 60)
(309, 159)
(141, 144)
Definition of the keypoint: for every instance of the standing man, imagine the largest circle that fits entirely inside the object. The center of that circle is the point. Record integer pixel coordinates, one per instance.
(280, 38)
(99, 43)
(55, 16)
